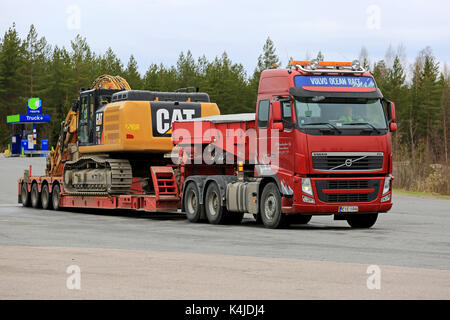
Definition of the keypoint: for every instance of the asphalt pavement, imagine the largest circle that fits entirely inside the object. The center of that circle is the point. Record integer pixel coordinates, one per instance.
(413, 238)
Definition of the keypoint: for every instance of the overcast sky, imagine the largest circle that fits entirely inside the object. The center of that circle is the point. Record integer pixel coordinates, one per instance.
(158, 30)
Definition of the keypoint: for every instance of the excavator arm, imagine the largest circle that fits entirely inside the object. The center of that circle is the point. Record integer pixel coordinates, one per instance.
(66, 146)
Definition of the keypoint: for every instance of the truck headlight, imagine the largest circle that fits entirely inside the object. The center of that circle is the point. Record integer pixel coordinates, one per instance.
(387, 185)
(307, 186)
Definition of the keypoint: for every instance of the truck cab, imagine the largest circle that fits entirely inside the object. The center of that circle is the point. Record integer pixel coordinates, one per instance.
(334, 152)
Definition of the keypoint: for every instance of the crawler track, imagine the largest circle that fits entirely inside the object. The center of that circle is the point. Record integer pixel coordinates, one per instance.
(96, 175)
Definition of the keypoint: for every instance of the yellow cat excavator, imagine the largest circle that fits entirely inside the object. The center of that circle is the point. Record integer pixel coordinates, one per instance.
(113, 134)
(67, 142)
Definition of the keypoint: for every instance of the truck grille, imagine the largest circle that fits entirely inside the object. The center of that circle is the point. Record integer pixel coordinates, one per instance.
(322, 185)
(352, 161)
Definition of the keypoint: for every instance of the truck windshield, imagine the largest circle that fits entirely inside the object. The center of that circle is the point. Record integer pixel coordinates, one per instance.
(345, 113)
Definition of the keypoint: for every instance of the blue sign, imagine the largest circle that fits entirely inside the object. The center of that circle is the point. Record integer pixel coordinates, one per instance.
(34, 118)
(34, 106)
(334, 81)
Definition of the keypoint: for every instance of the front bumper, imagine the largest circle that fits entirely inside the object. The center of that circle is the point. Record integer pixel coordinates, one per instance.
(335, 198)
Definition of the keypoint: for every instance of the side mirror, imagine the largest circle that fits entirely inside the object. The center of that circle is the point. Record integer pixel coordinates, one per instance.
(392, 127)
(391, 111)
(276, 111)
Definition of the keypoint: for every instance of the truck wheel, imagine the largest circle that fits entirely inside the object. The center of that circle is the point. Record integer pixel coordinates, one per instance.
(299, 218)
(35, 196)
(215, 212)
(25, 195)
(55, 197)
(45, 198)
(271, 214)
(192, 204)
(364, 220)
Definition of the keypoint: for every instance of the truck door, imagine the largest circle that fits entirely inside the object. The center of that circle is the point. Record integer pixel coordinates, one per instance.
(286, 145)
(263, 148)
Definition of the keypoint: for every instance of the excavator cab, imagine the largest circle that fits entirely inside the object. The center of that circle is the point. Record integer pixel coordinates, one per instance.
(89, 102)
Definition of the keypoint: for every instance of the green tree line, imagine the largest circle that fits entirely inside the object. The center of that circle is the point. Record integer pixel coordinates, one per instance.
(32, 67)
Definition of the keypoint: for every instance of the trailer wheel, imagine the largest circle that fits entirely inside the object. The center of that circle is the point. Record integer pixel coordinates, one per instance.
(270, 210)
(215, 212)
(46, 198)
(192, 204)
(55, 196)
(35, 196)
(363, 221)
(25, 195)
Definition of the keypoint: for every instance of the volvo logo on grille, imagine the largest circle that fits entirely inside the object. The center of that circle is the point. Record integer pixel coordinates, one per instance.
(348, 162)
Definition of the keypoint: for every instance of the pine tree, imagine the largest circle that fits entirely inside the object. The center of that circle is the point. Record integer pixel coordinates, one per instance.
(364, 58)
(445, 110)
(380, 73)
(397, 91)
(187, 71)
(320, 56)
(151, 78)
(61, 92)
(267, 60)
(35, 71)
(11, 65)
(11, 81)
(132, 75)
(110, 64)
(431, 104)
(82, 60)
(36, 52)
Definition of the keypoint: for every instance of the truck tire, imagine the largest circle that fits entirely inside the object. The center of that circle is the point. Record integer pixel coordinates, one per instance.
(299, 218)
(192, 205)
(25, 195)
(35, 196)
(46, 199)
(55, 196)
(364, 220)
(215, 212)
(270, 209)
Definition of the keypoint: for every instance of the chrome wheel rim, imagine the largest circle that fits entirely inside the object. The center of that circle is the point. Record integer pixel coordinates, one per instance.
(192, 202)
(270, 206)
(213, 203)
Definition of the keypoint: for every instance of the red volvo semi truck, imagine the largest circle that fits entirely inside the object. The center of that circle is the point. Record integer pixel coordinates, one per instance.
(318, 144)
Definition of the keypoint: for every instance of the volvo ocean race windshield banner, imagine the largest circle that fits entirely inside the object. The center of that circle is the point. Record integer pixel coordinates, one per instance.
(334, 81)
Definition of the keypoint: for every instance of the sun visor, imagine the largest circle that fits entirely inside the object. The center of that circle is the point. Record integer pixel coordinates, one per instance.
(305, 93)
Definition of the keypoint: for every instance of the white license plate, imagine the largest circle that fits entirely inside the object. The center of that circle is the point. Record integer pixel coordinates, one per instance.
(348, 209)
